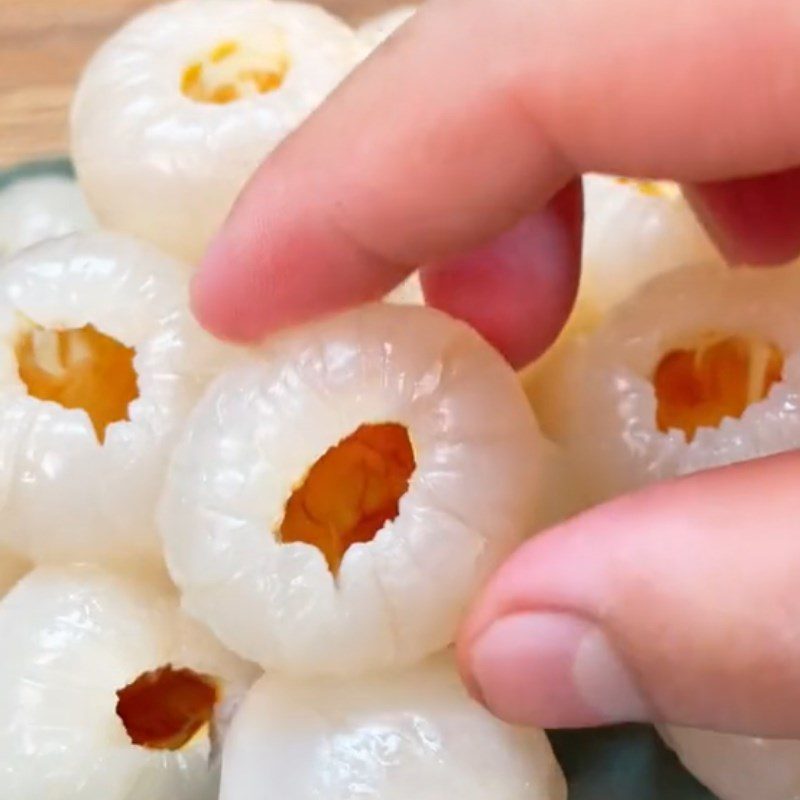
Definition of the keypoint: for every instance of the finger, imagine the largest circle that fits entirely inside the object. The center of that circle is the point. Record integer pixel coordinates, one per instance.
(752, 220)
(444, 139)
(677, 604)
(518, 290)
(290, 252)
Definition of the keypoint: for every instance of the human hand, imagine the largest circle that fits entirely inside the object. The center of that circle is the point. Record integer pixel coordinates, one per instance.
(675, 604)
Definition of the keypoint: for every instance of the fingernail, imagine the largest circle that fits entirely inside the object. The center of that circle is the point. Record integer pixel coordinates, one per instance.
(553, 670)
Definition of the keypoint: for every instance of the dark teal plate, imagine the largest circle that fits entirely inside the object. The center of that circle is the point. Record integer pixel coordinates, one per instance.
(53, 166)
(625, 762)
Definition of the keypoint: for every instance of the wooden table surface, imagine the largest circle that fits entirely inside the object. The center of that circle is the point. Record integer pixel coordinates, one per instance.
(43, 47)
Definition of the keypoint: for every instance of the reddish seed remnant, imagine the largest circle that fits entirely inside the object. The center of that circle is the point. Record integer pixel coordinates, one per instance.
(165, 708)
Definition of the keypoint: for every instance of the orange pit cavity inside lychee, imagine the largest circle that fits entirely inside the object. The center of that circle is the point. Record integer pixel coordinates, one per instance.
(649, 188)
(699, 386)
(79, 368)
(351, 491)
(231, 72)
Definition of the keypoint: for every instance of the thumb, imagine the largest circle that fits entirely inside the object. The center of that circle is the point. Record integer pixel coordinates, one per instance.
(677, 604)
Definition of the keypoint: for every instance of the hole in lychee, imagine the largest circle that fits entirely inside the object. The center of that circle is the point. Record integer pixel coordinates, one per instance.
(351, 491)
(650, 188)
(166, 708)
(720, 377)
(79, 368)
(231, 71)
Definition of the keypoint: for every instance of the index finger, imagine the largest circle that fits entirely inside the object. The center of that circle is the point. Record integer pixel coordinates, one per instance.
(477, 114)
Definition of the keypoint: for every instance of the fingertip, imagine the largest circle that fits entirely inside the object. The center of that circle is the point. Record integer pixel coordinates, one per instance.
(226, 302)
(463, 653)
(202, 295)
(518, 290)
(753, 221)
(667, 580)
(553, 669)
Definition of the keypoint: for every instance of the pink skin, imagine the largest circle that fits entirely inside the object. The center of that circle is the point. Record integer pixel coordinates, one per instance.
(513, 273)
(694, 586)
(449, 151)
